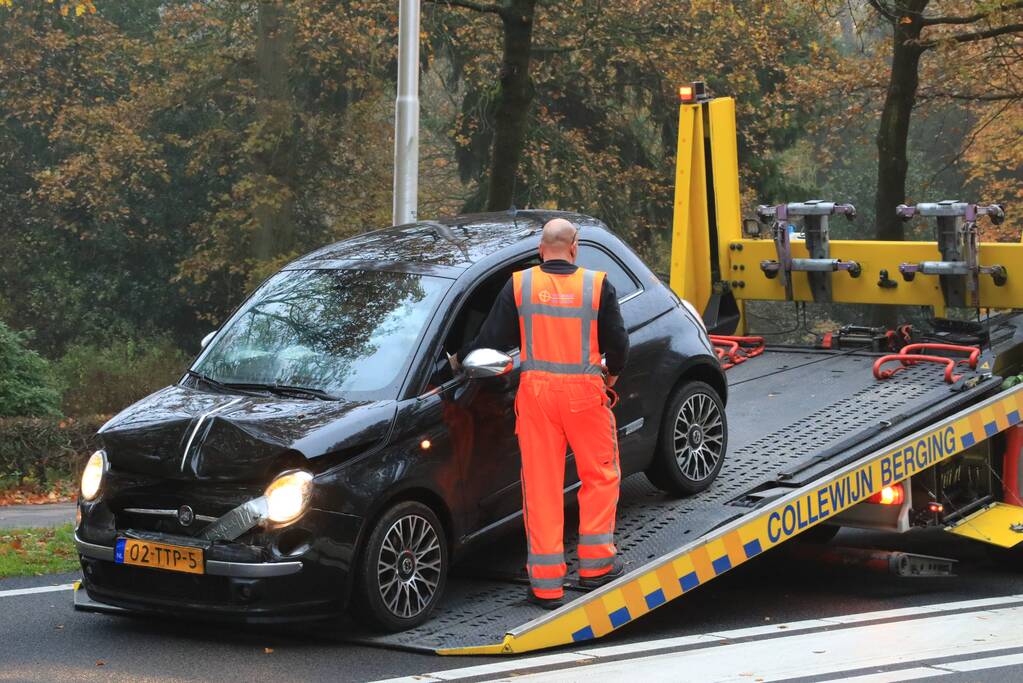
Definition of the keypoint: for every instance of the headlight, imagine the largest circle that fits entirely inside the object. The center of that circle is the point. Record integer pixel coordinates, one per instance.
(288, 496)
(92, 476)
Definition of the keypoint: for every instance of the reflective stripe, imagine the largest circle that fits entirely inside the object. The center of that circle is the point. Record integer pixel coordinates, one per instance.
(527, 319)
(550, 559)
(546, 584)
(595, 539)
(595, 562)
(589, 314)
(561, 368)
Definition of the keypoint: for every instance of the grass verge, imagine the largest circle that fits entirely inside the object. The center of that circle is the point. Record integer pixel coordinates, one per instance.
(33, 552)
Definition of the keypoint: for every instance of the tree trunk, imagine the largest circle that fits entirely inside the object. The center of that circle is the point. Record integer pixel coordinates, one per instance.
(513, 101)
(273, 157)
(893, 134)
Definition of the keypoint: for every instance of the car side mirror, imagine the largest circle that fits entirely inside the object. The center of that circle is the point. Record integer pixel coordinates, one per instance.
(207, 339)
(486, 363)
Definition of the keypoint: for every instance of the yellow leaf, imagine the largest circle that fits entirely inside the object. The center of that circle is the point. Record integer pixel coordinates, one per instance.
(79, 9)
(906, 20)
(64, 10)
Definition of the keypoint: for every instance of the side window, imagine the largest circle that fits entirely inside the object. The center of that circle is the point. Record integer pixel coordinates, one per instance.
(595, 258)
(473, 312)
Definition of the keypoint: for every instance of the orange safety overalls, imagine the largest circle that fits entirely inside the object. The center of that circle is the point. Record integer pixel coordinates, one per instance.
(562, 402)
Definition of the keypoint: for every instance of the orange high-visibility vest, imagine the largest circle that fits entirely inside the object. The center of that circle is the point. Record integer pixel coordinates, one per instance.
(558, 321)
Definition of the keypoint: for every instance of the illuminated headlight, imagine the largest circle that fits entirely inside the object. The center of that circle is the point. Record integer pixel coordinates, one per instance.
(92, 476)
(287, 497)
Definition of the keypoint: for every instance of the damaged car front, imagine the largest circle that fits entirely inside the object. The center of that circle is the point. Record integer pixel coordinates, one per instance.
(227, 494)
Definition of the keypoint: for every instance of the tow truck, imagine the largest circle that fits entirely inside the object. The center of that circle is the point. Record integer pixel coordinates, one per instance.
(893, 429)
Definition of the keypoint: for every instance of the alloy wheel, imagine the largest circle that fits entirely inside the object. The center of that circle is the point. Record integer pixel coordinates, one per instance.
(409, 566)
(699, 436)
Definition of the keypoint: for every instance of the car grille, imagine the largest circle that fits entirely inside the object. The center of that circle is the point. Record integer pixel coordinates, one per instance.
(147, 510)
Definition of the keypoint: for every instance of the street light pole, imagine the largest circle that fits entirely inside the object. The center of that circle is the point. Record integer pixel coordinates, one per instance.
(406, 116)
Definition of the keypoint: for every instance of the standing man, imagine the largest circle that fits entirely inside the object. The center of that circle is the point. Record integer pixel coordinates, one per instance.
(563, 318)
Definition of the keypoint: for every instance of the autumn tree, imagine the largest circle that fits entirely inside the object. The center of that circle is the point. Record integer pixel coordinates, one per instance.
(949, 31)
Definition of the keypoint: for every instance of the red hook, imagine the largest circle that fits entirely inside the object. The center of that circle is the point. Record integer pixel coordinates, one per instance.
(910, 359)
(973, 351)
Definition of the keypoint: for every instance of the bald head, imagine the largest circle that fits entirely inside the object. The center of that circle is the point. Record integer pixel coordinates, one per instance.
(559, 240)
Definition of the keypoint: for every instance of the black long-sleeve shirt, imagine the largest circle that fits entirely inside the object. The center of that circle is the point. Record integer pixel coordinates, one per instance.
(501, 328)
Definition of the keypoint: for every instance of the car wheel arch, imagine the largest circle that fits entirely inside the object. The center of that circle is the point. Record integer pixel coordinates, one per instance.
(707, 371)
(418, 493)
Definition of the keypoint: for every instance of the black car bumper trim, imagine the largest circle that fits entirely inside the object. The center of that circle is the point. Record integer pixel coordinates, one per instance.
(243, 570)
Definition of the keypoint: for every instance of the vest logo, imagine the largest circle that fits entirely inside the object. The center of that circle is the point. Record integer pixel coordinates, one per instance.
(554, 298)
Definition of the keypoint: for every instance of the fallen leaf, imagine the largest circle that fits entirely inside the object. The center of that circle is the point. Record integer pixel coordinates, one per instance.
(100, 662)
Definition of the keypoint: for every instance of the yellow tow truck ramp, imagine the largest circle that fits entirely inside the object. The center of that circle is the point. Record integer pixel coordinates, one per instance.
(812, 432)
(775, 484)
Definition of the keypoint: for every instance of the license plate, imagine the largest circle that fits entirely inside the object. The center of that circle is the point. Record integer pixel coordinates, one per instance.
(175, 558)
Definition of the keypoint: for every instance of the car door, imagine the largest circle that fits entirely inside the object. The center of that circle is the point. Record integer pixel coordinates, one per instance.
(628, 413)
(480, 413)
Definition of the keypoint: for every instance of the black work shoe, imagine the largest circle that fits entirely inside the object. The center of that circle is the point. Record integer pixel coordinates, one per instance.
(546, 603)
(617, 570)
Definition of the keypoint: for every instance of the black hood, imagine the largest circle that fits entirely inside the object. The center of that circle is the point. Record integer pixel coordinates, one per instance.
(184, 433)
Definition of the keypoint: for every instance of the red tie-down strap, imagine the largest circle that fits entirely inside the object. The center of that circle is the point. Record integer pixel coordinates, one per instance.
(732, 350)
(912, 359)
(972, 352)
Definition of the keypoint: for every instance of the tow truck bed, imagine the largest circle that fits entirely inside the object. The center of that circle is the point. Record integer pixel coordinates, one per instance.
(795, 415)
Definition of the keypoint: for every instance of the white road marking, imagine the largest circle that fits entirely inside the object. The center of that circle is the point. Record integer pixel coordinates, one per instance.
(811, 647)
(943, 669)
(986, 663)
(38, 589)
(896, 676)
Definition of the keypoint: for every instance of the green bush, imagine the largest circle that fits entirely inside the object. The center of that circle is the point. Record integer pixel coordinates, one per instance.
(27, 387)
(38, 447)
(105, 378)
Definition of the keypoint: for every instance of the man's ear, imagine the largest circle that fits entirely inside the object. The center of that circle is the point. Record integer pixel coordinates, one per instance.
(540, 250)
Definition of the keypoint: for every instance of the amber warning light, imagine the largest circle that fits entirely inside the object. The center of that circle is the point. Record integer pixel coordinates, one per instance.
(889, 495)
(688, 94)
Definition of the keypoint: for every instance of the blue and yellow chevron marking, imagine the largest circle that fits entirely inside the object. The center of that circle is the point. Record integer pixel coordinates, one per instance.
(601, 612)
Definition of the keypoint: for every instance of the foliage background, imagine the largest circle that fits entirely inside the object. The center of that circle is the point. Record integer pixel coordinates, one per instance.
(159, 159)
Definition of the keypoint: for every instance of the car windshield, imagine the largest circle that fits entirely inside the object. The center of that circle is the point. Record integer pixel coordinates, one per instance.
(342, 332)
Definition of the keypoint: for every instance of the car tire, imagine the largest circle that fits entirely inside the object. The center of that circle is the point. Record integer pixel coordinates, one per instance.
(403, 568)
(693, 441)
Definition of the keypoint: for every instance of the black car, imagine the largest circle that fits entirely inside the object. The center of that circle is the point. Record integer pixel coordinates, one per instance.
(320, 452)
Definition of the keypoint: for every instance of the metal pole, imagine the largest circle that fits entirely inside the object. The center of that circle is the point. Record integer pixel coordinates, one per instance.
(406, 116)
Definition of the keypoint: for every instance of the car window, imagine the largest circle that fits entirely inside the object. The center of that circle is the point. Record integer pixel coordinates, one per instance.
(473, 313)
(595, 258)
(350, 333)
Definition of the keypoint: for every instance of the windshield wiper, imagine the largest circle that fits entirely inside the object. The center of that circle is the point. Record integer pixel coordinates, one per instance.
(284, 390)
(206, 378)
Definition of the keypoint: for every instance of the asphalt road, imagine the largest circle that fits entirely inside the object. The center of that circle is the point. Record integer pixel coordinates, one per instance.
(33, 516)
(43, 639)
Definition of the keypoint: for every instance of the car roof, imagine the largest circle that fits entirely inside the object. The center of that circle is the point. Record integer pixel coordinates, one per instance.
(454, 243)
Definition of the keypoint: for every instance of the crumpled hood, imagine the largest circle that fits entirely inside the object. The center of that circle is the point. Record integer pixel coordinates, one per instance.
(184, 433)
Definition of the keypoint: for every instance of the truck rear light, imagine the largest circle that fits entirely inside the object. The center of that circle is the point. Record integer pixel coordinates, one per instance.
(889, 495)
(935, 507)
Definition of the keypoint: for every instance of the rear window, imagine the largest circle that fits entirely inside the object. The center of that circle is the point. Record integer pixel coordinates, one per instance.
(595, 258)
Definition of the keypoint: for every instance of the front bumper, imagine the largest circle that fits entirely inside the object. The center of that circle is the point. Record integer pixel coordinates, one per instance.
(267, 577)
(246, 570)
